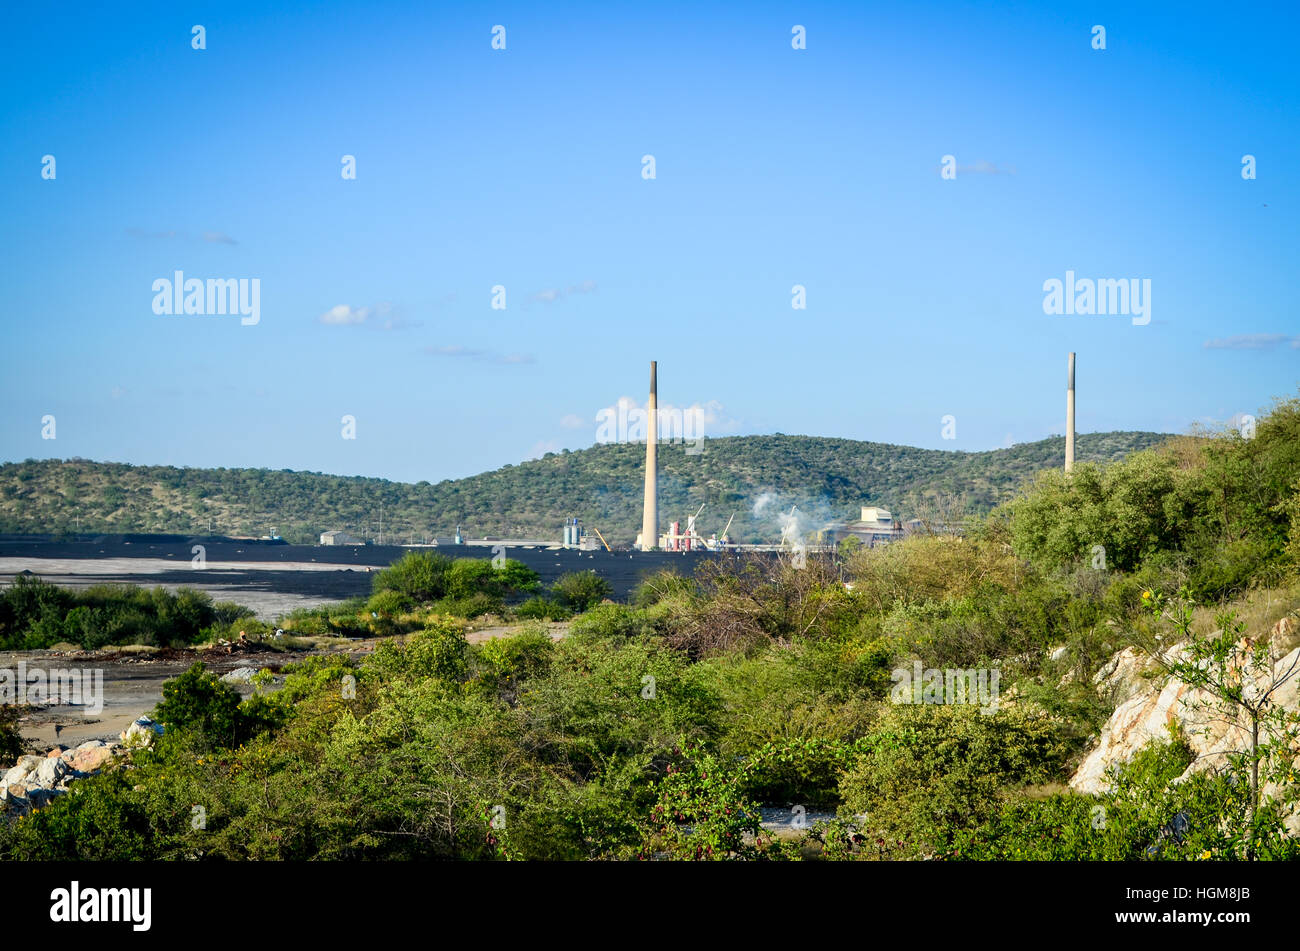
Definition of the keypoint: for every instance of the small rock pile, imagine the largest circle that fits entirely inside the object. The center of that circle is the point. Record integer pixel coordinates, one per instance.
(35, 780)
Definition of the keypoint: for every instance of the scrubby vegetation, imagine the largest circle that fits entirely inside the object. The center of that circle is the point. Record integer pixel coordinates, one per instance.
(658, 728)
(35, 615)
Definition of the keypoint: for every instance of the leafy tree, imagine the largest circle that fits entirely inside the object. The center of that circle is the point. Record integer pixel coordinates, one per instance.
(581, 590)
(198, 702)
(930, 771)
(419, 575)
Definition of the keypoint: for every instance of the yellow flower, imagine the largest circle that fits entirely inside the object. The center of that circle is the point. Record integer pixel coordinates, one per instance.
(1205, 854)
(1146, 595)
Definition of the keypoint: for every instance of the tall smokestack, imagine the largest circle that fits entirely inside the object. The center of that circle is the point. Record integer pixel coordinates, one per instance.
(650, 514)
(1069, 417)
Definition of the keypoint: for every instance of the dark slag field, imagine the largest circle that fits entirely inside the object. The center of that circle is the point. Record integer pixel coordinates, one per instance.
(306, 570)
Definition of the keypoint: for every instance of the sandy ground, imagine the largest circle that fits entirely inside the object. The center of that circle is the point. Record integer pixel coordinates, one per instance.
(554, 630)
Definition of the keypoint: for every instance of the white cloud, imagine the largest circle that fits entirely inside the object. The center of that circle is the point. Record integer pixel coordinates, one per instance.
(343, 315)
(379, 316)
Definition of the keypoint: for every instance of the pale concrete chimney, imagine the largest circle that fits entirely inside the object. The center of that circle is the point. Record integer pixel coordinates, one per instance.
(1069, 417)
(650, 514)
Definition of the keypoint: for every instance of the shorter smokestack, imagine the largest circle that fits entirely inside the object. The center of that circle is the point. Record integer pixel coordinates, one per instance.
(1069, 416)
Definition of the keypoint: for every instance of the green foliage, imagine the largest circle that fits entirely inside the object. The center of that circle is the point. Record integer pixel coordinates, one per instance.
(102, 818)
(11, 738)
(932, 770)
(35, 615)
(466, 587)
(805, 772)
(580, 590)
(420, 576)
(1144, 814)
(538, 608)
(610, 621)
(786, 695)
(662, 585)
(1221, 503)
(440, 651)
(702, 813)
(197, 703)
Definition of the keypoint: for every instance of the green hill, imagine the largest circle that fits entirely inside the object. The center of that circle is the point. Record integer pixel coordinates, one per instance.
(753, 476)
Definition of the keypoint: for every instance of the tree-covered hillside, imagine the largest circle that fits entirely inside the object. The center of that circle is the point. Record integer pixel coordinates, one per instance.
(754, 476)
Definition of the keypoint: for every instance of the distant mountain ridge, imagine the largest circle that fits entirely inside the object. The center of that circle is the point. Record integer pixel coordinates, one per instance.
(756, 477)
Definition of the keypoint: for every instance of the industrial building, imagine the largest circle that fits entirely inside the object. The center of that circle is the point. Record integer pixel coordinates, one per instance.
(876, 526)
(339, 538)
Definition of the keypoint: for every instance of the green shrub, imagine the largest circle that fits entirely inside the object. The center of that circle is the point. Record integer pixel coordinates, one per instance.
(471, 606)
(389, 602)
(610, 621)
(419, 575)
(538, 608)
(665, 583)
(932, 770)
(198, 702)
(440, 651)
(580, 590)
(34, 615)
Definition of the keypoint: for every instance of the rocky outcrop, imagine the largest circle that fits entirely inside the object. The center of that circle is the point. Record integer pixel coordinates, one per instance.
(240, 675)
(141, 733)
(35, 781)
(1150, 703)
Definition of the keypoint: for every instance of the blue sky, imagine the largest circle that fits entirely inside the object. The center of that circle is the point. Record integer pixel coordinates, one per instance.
(522, 167)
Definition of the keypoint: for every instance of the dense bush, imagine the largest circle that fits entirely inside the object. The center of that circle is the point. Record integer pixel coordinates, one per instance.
(1222, 502)
(931, 770)
(418, 575)
(538, 608)
(35, 614)
(210, 712)
(1146, 813)
(421, 577)
(580, 590)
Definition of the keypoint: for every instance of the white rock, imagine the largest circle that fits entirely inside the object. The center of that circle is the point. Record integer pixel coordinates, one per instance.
(240, 675)
(50, 772)
(141, 732)
(1148, 706)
